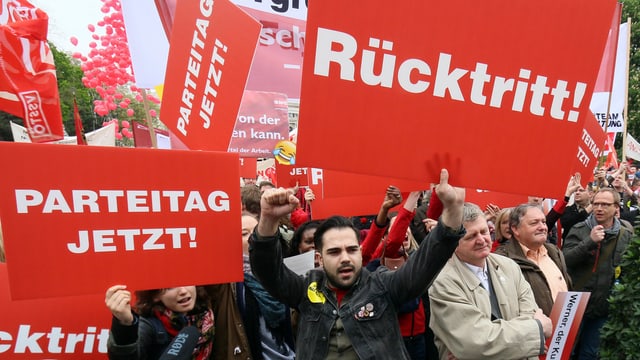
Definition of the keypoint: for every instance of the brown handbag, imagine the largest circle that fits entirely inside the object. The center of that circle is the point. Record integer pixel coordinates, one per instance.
(392, 263)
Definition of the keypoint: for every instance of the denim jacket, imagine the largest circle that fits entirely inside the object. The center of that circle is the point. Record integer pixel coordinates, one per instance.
(368, 310)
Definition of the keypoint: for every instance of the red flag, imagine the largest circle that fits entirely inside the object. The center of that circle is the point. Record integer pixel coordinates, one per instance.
(81, 138)
(612, 156)
(604, 82)
(28, 86)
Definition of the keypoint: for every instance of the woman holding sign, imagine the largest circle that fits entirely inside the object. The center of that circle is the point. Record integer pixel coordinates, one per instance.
(173, 321)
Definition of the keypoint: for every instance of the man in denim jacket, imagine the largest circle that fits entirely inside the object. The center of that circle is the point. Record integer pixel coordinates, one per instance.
(346, 311)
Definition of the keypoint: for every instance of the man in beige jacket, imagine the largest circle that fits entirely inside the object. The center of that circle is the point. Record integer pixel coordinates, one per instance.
(481, 305)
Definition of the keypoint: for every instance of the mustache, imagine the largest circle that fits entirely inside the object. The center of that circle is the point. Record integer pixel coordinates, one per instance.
(346, 267)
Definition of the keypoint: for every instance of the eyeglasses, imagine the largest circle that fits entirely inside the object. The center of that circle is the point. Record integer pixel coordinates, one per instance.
(604, 205)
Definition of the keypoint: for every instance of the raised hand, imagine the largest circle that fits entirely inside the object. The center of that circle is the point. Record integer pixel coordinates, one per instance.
(274, 204)
(452, 199)
(118, 300)
(573, 185)
(392, 197)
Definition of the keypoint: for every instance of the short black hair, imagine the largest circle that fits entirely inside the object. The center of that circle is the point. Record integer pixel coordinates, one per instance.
(334, 222)
(297, 235)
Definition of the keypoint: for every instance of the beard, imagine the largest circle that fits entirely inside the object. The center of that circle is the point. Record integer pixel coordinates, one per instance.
(337, 283)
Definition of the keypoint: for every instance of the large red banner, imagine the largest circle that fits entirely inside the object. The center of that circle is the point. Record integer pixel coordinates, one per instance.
(74, 229)
(248, 167)
(323, 207)
(28, 85)
(278, 65)
(415, 90)
(278, 59)
(212, 46)
(263, 121)
(65, 328)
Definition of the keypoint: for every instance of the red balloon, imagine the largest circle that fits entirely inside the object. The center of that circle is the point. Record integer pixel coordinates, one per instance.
(77, 55)
(91, 27)
(74, 40)
(125, 124)
(152, 113)
(92, 44)
(118, 136)
(130, 112)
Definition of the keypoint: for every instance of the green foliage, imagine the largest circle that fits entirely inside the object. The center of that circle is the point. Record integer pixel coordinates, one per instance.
(69, 76)
(631, 9)
(621, 333)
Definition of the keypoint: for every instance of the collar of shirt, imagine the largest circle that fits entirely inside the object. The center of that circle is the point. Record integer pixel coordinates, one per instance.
(481, 273)
(534, 255)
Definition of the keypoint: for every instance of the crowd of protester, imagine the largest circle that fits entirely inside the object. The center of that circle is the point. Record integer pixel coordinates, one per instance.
(438, 279)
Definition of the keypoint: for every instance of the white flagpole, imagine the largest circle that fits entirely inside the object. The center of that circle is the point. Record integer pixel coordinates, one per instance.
(626, 93)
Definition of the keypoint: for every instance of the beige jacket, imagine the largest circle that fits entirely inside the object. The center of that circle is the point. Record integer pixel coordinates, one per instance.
(461, 313)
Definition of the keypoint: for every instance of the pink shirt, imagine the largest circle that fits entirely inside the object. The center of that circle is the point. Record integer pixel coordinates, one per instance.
(540, 257)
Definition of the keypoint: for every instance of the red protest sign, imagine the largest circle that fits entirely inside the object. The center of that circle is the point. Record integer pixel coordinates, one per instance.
(278, 65)
(91, 226)
(212, 46)
(290, 176)
(142, 136)
(323, 207)
(248, 167)
(453, 101)
(341, 184)
(591, 144)
(566, 316)
(263, 121)
(484, 197)
(43, 328)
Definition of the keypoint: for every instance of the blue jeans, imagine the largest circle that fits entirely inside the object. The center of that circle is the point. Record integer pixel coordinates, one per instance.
(589, 340)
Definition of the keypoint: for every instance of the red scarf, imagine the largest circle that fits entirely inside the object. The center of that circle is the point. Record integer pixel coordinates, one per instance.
(204, 321)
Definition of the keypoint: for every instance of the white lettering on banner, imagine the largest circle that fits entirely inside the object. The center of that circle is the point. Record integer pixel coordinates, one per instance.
(193, 65)
(298, 171)
(288, 39)
(34, 116)
(413, 75)
(282, 6)
(316, 176)
(210, 90)
(615, 120)
(589, 143)
(135, 201)
(146, 239)
(561, 332)
(58, 341)
(583, 157)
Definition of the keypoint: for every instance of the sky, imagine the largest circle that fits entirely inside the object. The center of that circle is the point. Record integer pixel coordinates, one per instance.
(69, 18)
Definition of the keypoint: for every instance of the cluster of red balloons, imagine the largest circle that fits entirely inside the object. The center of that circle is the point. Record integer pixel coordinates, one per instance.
(107, 66)
(121, 132)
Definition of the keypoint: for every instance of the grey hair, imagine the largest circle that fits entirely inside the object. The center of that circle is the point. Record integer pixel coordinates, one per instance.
(518, 213)
(471, 212)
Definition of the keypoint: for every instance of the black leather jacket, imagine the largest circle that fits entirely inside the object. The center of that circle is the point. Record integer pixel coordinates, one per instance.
(375, 335)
